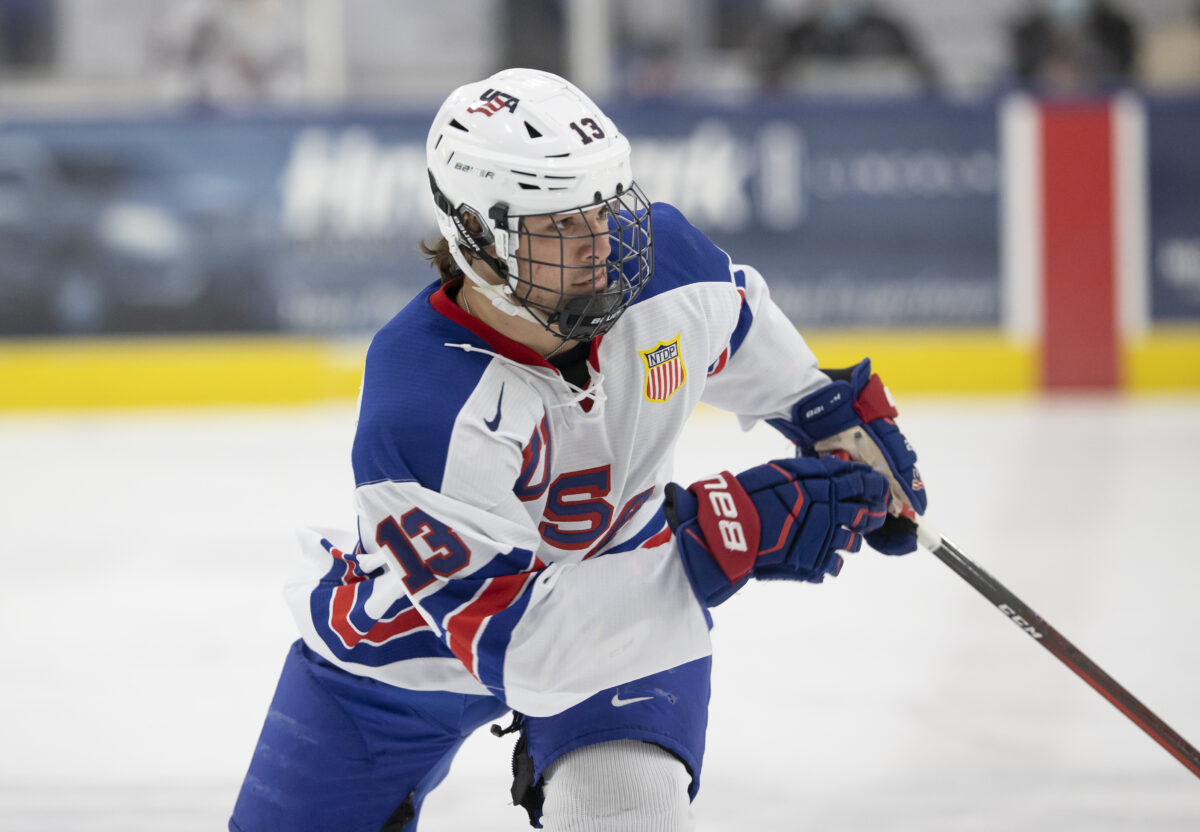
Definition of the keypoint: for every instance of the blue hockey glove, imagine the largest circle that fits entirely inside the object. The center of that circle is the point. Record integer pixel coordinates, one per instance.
(786, 519)
(854, 416)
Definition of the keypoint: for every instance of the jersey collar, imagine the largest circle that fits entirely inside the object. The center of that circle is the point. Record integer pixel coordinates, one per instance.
(502, 344)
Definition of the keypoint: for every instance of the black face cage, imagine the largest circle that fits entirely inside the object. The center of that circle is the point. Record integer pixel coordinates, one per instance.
(559, 284)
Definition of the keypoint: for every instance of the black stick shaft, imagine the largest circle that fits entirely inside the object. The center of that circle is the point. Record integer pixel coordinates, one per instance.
(1065, 651)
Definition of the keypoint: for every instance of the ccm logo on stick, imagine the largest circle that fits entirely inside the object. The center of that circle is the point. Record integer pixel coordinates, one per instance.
(1019, 621)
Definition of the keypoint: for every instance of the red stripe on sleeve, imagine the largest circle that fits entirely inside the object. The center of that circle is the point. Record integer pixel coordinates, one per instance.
(659, 539)
(465, 625)
(720, 363)
(342, 603)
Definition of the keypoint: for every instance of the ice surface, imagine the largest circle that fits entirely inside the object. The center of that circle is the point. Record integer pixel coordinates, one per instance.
(143, 626)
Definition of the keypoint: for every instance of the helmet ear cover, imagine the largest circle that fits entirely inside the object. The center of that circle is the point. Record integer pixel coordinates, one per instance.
(472, 229)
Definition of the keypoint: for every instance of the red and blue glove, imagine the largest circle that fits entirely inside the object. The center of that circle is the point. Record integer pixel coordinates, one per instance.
(854, 417)
(786, 519)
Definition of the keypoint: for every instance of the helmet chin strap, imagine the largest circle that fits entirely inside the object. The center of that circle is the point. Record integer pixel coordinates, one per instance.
(591, 310)
(500, 295)
(594, 309)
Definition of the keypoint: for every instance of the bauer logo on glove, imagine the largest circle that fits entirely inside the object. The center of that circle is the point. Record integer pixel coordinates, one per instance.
(792, 518)
(853, 417)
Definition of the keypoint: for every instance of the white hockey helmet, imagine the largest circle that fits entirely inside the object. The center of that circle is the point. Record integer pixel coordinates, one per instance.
(526, 143)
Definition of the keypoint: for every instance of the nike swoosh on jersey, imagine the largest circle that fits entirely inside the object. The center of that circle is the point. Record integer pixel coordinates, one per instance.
(494, 422)
(618, 702)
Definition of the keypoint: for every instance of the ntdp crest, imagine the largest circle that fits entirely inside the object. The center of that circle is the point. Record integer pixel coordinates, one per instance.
(665, 372)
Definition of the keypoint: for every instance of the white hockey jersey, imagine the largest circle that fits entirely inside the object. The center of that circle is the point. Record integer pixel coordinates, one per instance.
(510, 534)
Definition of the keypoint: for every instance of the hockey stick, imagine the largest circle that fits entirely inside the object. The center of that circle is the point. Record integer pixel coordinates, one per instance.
(1063, 650)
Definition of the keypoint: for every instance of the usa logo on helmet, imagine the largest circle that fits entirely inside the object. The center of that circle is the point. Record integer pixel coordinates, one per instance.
(665, 372)
(494, 102)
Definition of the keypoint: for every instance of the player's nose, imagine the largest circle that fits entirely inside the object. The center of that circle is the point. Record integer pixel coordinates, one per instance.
(591, 250)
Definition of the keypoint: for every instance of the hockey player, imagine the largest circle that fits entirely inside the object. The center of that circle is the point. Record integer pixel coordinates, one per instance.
(520, 545)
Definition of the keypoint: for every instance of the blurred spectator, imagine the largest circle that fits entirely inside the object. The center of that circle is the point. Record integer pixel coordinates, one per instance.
(223, 53)
(657, 44)
(846, 47)
(1070, 46)
(26, 34)
(1171, 58)
(534, 35)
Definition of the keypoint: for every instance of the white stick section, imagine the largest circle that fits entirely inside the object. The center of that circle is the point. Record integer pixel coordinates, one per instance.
(1131, 214)
(1021, 219)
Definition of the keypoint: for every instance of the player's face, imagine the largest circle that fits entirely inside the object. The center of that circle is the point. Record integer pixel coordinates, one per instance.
(562, 255)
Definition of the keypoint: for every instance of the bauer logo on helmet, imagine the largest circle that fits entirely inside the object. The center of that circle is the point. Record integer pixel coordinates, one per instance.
(475, 169)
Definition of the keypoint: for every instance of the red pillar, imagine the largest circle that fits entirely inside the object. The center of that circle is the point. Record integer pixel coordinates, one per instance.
(1080, 346)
